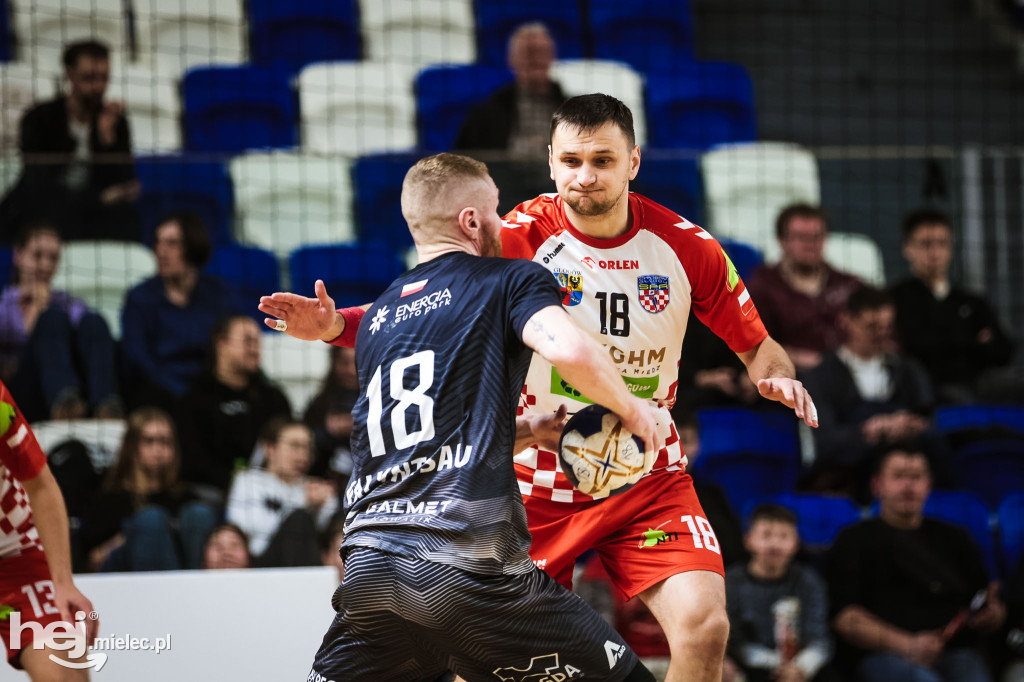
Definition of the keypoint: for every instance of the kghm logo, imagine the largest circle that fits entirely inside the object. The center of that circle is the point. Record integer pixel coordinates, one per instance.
(652, 537)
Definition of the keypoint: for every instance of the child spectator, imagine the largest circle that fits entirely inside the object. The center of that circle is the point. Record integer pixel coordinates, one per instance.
(142, 520)
(281, 508)
(227, 547)
(55, 353)
(778, 613)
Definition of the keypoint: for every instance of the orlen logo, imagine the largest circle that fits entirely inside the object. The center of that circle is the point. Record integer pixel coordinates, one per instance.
(618, 264)
(589, 262)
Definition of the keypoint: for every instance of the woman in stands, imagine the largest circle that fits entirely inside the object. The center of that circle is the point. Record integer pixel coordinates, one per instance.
(281, 508)
(143, 520)
(167, 318)
(56, 353)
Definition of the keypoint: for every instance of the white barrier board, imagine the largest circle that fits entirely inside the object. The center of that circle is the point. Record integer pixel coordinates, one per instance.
(256, 624)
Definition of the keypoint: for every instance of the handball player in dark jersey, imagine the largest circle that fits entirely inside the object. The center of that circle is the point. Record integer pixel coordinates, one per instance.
(437, 571)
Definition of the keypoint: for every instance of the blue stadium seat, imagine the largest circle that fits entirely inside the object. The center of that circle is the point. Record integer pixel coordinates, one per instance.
(653, 36)
(250, 272)
(6, 264)
(173, 183)
(496, 21)
(748, 475)
(353, 273)
(235, 108)
(735, 429)
(982, 417)
(819, 517)
(991, 468)
(1011, 527)
(298, 32)
(5, 31)
(968, 511)
(744, 256)
(674, 183)
(700, 104)
(378, 190)
(446, 94)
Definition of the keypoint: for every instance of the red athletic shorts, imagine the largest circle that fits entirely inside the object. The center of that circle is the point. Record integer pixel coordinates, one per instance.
(26, 588)
(643, 536)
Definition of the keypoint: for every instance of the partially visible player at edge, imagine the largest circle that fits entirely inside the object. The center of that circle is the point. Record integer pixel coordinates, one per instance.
(35, 551)
(630, 270)
(437, 568)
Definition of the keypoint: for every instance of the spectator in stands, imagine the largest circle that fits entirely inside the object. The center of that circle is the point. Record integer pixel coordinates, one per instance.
(867, 395)
(710, 374)
(800, 299)
(225, 408)
(901, 585)
(517, 117)
(332, 547)
(281, 508)
(778, 608)
(78, 171)
(227, 547)
(142, 519)
(329, 415)
(953, 333)
(167, 319)
(54, 352)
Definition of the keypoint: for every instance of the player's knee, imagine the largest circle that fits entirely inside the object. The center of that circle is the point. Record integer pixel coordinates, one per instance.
(704, 633)
(713, 633)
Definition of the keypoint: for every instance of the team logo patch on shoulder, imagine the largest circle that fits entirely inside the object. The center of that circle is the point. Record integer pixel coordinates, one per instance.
(653, 292)
(571, 284)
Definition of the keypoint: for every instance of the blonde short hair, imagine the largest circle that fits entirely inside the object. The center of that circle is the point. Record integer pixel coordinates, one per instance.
(427, 191)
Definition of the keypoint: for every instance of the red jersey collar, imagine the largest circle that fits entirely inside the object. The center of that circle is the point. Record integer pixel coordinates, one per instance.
(636, 209)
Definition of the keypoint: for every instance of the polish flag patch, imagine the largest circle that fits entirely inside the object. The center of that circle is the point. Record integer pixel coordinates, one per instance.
(413, 288)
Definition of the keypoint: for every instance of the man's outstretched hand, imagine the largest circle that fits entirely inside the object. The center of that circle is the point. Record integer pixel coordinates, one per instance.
(309, 319)
(790, 393)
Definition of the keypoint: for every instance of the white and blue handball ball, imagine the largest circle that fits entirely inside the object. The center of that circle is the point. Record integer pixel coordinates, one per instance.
(599, 455)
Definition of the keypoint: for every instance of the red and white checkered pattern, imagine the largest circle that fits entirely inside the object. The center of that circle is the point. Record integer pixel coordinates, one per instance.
(654, 301)
(17, 531)
(540, 476)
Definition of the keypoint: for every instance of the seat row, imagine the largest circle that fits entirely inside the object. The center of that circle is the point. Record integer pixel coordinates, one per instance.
(358, 107)
(173, 36)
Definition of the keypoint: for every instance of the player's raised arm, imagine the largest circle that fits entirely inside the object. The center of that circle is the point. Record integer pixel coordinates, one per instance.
(583, 363)
(772, 371)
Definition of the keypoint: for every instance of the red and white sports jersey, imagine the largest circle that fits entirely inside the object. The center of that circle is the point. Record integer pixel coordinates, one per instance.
(21, 459)
(633, 294)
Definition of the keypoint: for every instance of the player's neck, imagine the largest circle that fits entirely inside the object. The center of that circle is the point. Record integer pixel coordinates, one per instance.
(616, 222)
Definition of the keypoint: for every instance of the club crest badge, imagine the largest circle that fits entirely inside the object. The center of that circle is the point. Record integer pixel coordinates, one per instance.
(653, 292)
(571, 284)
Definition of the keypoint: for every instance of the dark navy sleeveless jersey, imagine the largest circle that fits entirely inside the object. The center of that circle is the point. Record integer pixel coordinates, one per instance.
(441, 366)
